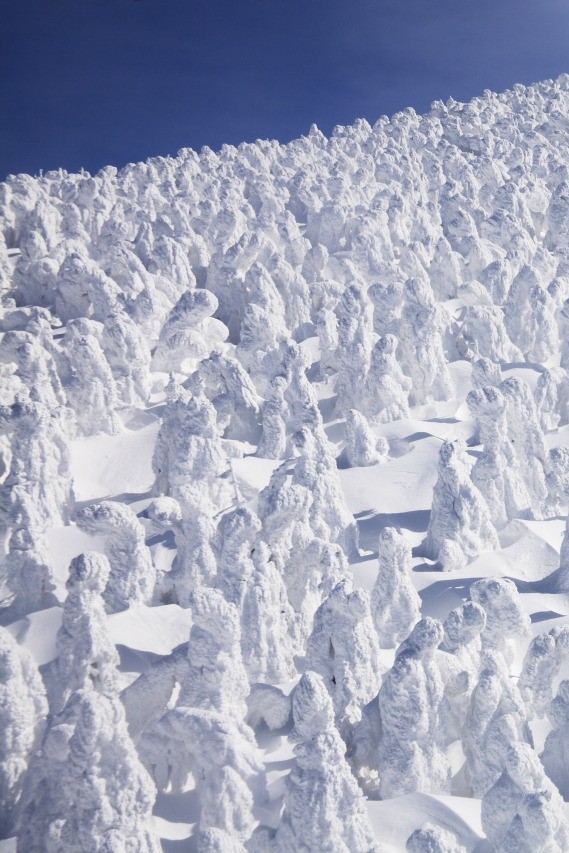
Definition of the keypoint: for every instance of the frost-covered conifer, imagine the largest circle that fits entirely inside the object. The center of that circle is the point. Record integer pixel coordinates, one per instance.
(28, 574)
(527, 439)
(485, 372)
(506, 619)
(316, 469)
(128, 356)
(86, 789)
(309, 565)
(267, 703)
(84, 290)
(190, 333)
(132, 575)
(554, 756)
(230, 389)
(23, 710)
(296, 296)
(189, 741)
(497, 472)
(35, 365)
(266, 618)
(421, 340)
(459, 514)
(276, 415)
(327, 331)
(523, 811)
(37, 488)
(552, 398)
(264, 329)
(495, 720)
(355, 342)
(483, 334)
(410, 758)
(387, 388)
(395, 604)
(189, 458)
(344, 649)
(362, 446)
(86, 656)
(530, 316)
(434, 839)
(459, 661)
(88, 380)
(194, 564)
(324, 807)
(541, 666)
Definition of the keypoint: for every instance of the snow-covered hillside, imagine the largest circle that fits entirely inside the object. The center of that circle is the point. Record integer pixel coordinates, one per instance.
(284, 484)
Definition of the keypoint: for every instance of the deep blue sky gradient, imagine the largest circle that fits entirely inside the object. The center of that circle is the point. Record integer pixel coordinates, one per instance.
(91, 82)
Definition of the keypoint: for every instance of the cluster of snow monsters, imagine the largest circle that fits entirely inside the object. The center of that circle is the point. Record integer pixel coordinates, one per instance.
(203, 284)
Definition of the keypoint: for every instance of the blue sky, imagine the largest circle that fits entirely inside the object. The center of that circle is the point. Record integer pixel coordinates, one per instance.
(90, 82)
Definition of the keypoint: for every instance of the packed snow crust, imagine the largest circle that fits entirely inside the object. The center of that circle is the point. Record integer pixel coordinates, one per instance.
(284, 484)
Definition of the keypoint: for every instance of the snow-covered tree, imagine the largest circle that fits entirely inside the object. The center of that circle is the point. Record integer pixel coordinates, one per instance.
(86, 656)
(88, 380)
(323, 807)
(523, 810)
(362, 446)
(316, 469)
(506, 620)
(86, 789)
(23, 710)
(395, 604)
(344, 649)
(410, 758)
(460, 525)
(387, 388)
(132, 574)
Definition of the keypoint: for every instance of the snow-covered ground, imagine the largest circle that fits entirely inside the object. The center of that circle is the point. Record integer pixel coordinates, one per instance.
(284, 488)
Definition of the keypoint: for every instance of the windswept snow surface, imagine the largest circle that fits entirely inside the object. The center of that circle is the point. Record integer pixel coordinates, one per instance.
(284, 483)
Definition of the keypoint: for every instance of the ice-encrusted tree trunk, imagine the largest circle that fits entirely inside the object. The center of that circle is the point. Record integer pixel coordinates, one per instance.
(395, 603)
(460, 526)
(23, 712)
